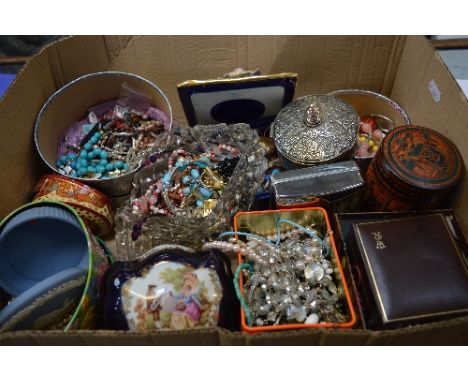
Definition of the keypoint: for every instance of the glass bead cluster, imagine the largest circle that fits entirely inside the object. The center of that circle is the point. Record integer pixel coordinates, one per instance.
(291, 281)
(138, 230)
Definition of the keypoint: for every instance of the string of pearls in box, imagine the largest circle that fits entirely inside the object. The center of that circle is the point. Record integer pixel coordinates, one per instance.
(289, 278)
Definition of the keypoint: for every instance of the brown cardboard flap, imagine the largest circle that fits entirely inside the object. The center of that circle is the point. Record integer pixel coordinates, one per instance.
(72, 57)
(115, 45)
(20, 166)
(102, 337)
(420, 64)
(399, 66)
(450, 332)
(323, 63)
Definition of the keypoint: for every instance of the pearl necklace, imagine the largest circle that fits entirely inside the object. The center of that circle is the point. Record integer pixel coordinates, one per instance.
(293, 281)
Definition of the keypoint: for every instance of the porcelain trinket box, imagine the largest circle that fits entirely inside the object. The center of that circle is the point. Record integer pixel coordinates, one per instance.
(171, 288)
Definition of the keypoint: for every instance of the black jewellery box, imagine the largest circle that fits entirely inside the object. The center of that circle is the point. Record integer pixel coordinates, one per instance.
(406, 270)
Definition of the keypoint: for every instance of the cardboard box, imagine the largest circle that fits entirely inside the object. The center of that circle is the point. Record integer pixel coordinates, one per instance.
(406, 69)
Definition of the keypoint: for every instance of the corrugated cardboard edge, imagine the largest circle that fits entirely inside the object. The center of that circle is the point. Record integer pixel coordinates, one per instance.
(102, 337)
(420, 64)
(113, 46)
(324, 63)
(450, 332)
(41, 76)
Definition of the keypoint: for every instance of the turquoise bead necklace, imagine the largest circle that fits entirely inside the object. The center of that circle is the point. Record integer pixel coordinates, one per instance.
(91, 161)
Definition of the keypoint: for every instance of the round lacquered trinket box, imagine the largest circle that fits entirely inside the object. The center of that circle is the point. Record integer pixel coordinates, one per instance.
(171, 288)
(92, 206)
(414, 169)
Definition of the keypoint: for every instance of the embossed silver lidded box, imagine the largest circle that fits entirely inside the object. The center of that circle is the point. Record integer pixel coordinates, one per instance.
(315, 129)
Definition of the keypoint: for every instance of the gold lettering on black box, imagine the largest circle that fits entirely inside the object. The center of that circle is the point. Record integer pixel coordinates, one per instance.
(379, 244)
(413, 268)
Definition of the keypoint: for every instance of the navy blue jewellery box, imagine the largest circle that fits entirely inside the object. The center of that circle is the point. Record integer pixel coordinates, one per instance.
(255, 100)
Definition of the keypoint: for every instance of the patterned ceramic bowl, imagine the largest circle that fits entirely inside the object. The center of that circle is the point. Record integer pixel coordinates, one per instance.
(380, 113)
(93, 206)
(55, 238)
(366, 102)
